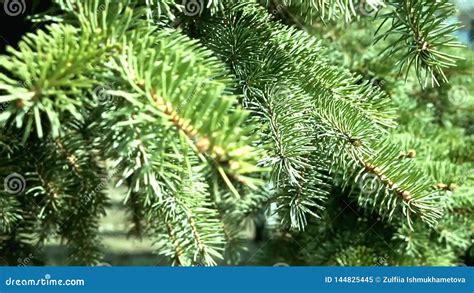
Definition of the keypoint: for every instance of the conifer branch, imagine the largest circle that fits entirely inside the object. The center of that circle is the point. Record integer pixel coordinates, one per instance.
(423, 36)
(189, 109)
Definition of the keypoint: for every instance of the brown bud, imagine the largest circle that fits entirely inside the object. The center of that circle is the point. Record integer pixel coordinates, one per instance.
(441, 186)
(453, 187)
(406, 195)
(411, 154)
(219, 151)
(234, 165)
(141, 83)
(356, 142)
(19, 104)
(203, 144)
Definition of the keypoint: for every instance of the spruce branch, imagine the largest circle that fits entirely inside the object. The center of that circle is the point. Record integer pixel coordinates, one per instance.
(410, 188)
(67, 54)
(200, 238)
(323, 10)
(421, 35)
(189, 106)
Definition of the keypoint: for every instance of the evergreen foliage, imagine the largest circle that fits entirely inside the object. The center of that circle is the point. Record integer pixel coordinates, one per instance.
(344, 142)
